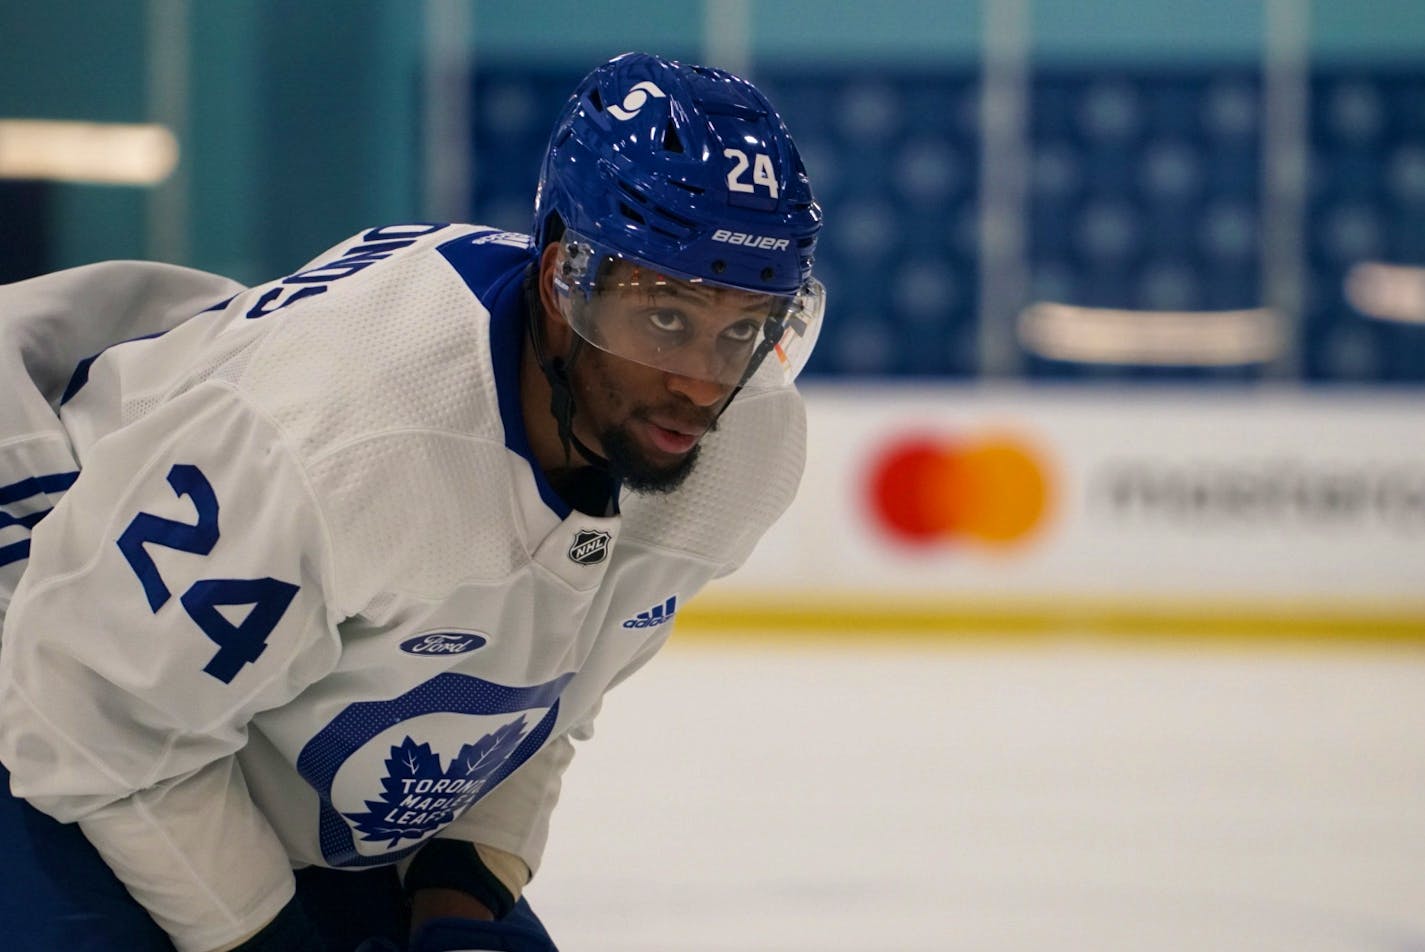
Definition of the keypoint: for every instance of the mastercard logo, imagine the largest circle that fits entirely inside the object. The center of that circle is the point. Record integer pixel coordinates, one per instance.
(993, 490)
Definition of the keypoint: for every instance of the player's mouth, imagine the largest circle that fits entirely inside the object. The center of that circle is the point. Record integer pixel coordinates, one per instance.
(674, 441)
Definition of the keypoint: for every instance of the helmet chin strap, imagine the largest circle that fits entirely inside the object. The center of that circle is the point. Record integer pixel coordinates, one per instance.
(772, 334)
(556, 371)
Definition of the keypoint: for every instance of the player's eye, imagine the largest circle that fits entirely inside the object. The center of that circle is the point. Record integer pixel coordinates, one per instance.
(743, 332)
(667, 322)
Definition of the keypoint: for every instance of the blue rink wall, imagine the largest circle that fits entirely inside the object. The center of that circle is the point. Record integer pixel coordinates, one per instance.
(1143, 190)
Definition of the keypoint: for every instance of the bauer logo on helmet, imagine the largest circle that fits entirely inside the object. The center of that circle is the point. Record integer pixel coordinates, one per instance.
(750, 241)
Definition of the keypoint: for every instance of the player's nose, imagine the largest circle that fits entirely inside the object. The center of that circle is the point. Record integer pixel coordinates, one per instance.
(702, 393)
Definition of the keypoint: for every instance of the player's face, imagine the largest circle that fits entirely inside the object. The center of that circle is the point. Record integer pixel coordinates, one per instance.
(654, 373)
(666, 357)
(647, 422)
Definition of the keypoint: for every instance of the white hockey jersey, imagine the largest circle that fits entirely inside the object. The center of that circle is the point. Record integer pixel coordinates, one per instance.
(309, 600)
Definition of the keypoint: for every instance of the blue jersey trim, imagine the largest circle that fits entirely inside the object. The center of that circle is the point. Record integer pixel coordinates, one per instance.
(80, 377)
(25, 522)
(14, 552)
(494, 273)
(35, 485)
(81, 370)
(30, 486)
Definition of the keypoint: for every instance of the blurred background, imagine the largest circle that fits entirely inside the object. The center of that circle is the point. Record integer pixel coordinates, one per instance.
(1097, 623)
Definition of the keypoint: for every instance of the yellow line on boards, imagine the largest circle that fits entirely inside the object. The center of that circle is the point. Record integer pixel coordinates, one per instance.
(817, 618)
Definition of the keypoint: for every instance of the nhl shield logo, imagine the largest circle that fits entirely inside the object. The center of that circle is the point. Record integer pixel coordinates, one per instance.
(591, 546)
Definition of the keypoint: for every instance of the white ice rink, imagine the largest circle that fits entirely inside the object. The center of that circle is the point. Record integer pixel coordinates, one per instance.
(971, 797)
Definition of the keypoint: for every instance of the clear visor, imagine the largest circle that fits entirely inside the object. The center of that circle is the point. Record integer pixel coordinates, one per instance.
(692, 328)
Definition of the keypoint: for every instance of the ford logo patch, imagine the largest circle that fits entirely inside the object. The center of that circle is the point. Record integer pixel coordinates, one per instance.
(443, 643)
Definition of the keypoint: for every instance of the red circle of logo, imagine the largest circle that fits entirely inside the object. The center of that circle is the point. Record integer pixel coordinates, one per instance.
(992, 490)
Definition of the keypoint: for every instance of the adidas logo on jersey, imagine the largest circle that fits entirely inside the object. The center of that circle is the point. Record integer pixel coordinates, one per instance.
(655, 616)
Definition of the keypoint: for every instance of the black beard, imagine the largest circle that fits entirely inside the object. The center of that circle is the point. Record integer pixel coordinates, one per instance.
(634, 469)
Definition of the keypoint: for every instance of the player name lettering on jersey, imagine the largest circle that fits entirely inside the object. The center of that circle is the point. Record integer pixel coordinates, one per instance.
(763, 242)
(374, 245)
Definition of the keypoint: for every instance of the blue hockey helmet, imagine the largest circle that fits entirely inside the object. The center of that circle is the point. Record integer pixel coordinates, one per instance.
(686, 174)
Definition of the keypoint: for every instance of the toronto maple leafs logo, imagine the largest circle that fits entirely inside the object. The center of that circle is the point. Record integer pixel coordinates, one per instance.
(420, 796)
(383, 770)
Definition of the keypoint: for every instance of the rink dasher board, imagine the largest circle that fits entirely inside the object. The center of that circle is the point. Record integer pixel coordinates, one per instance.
(1146, 509)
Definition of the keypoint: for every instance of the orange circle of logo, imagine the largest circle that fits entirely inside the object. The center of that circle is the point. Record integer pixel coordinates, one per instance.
(992, 490)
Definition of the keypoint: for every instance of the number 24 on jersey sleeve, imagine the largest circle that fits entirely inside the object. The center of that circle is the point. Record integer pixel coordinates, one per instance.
(238, 644)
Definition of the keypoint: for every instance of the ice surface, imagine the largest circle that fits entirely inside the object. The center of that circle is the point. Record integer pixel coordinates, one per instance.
(1027, 797)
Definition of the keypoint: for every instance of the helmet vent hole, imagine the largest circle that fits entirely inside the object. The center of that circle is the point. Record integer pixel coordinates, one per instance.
(632, 192)
(629, 212)
(671, 141)
(595, 100)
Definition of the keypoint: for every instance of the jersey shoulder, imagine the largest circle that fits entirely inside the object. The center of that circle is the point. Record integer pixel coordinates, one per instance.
(382, 376)
(746, 475)
(384, 334)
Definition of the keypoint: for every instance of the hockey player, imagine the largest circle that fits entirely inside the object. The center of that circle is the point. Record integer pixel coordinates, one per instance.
(325, 575)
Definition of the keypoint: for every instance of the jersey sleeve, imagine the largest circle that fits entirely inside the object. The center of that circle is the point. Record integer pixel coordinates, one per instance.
(178, 589)
(49, 325)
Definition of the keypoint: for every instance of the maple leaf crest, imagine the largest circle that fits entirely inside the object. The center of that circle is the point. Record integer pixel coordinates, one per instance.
(479, 760)
(409, 762)
(418, 796)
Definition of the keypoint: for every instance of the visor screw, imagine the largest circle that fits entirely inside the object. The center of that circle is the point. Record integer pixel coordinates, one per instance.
(767, 274)
(719, 266)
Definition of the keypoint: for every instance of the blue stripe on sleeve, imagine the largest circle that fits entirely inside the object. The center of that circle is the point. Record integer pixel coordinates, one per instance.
(28, 521)
(14, 552)
(81, 371)
(34, 485)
